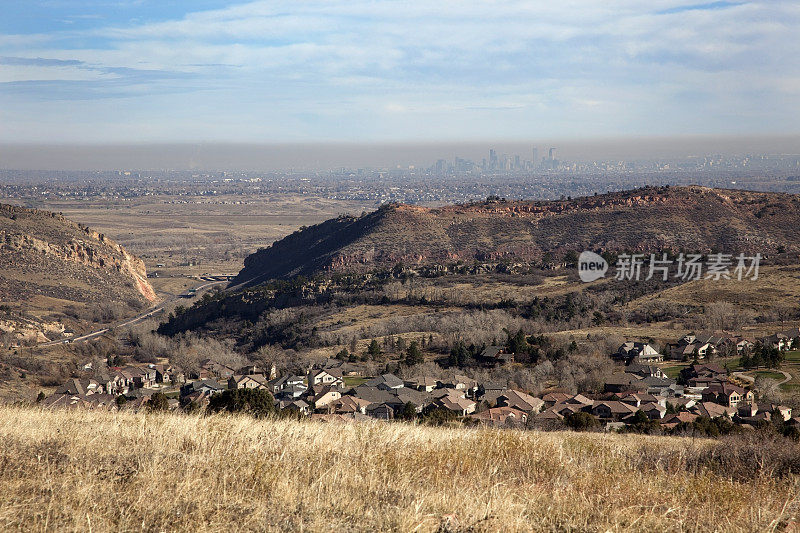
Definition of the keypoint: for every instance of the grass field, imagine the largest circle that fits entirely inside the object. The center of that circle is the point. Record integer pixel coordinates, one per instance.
(673, 371)
(67, 471)
(354, 381)
(777, 376)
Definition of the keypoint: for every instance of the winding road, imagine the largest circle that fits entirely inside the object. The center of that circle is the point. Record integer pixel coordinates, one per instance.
(787, 377)
(129, 322)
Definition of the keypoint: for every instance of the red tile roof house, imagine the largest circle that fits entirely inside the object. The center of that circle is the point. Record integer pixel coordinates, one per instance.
(549, 414)
(673, 420)
(552, 398)
(501, 416)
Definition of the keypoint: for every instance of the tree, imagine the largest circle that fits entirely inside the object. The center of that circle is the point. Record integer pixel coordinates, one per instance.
(157, 402)
(374, 350)
(768, 390)
(580, 421)
(401, 344)
(414, 355)
(745, 361)
(409, 412)
(256, 402)
(439, 416)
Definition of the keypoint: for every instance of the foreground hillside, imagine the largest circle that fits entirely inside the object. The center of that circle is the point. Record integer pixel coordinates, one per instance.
(651, 219)
(56, 274)
(123, 472)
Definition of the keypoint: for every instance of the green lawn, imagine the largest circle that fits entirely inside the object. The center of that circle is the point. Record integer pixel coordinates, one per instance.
(354, 381)
(793, 357)
(777, 376)
(672, 371)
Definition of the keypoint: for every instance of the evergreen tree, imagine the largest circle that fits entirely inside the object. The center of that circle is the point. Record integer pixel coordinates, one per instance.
(414, 355)
(374, 350)
(157, 402)
(257, 402)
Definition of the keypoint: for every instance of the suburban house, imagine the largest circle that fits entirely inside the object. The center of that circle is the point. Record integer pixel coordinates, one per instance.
(386, 382)
(521, 401)
(323, 397)
(672, 420)
(425, 383)
(645, 371)
(780, 341)
(461, 406)
(495, 355)
(207, 386)
(79, 387)
(640, 352)
(501, 416)
(624, 382)
(350, 404)
(552, 398)
(218, 369)
(727, 394)
(612, 410)
(653, 410)
(248, 381)
(330, 376)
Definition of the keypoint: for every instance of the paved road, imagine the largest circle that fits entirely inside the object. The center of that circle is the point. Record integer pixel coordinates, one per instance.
(787, 377)
(131, 321)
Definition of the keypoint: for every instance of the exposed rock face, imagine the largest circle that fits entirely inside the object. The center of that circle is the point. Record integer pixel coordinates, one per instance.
(96, 251)
(645, 220)
(49, 263)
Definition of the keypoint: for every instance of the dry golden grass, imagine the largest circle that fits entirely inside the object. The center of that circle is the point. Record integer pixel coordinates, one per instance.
(775, 288)
(101, 471)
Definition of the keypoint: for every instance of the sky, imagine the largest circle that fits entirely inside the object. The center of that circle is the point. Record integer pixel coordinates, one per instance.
(357, 71)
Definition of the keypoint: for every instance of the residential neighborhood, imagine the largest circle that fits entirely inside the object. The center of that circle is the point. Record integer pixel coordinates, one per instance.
(334, 390)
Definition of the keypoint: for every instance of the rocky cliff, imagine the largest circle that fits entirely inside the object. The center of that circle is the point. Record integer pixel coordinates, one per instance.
(49, 264)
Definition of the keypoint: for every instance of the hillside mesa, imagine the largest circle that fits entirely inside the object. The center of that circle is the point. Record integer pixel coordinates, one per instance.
(189, 473)
(49, 264)
(650, 219)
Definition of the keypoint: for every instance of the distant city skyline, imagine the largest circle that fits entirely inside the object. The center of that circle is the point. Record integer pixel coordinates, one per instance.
(151, 71)
(331, 156)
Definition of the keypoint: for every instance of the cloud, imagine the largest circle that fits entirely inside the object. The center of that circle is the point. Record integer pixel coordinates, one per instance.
(517, 66)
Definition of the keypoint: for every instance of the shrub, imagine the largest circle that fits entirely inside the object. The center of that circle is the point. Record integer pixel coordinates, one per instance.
(256, 402)
(581, 421)
(157, 402)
